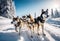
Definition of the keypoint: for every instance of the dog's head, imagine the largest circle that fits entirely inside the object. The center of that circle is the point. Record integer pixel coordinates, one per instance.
(24, 17)
(15, 20)
(44, 14)
(29, 16)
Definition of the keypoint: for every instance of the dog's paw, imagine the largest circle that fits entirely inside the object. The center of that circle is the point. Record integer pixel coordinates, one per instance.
(44, 34)
(16, 30)
(19, 33)
(38, 34)
(31, 36)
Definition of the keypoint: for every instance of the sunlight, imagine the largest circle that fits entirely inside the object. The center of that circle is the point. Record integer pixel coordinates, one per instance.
(21, 39)
(55, 6)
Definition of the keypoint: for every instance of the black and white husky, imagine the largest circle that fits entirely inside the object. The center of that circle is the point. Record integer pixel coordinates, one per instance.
(40, 20)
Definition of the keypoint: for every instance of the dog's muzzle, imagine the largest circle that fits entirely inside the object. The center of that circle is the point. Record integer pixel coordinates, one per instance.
(47, 16)
(11, 22)
(14, 22)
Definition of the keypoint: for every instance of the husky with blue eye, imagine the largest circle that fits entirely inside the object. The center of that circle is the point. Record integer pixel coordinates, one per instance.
(40, 20)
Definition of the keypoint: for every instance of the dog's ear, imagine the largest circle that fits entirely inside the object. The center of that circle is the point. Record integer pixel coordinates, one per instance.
(42, 10)
(46, 10)
(17, 16)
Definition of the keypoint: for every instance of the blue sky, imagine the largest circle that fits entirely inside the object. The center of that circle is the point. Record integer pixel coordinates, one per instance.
(24, 7)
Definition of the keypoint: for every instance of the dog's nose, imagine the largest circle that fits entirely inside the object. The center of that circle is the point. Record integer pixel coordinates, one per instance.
(11, 22)
(47, 15)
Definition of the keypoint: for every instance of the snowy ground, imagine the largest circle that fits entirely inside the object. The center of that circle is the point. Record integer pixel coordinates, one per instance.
(7, 32)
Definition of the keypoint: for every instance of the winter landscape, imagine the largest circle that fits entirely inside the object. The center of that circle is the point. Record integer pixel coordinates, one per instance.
(8, 33)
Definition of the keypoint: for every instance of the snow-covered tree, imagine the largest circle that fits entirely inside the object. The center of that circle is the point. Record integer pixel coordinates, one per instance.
(52, 15)
(56, 13)
(7, 8)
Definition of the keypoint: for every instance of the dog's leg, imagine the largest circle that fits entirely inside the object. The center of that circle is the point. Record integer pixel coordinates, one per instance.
(43, 29)
(31, 31)
(33, 28)
(16, 29)
(38, 29)
(30, 28)
(19, 30)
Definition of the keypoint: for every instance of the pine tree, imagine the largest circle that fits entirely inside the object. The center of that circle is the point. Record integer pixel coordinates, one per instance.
(7, 8)
(56, 13)
(52, 15)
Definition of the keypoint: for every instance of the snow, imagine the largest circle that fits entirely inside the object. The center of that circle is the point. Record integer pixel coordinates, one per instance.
(54, 30)
(7, 32)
